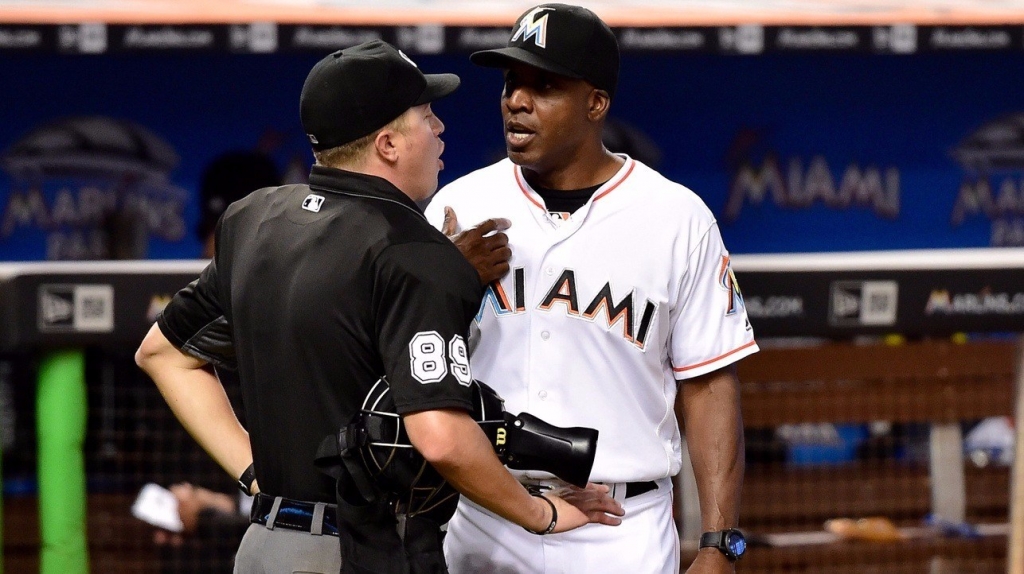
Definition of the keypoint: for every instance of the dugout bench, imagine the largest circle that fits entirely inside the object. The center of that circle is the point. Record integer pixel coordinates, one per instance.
(936, 383)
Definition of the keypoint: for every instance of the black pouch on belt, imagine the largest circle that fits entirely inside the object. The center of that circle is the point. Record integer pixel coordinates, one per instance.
(369, 537)
(423, 546)
(368, 530)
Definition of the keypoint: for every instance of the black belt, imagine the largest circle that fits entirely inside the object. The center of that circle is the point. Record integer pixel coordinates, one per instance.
(293, 514)
(298, 515)
(632, 488)
(638, 488)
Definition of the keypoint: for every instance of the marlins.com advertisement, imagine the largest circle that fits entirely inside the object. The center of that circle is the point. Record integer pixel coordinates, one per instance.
(799, 138)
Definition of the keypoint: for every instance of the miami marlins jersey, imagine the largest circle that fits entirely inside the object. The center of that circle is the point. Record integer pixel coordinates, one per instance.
(602, 312)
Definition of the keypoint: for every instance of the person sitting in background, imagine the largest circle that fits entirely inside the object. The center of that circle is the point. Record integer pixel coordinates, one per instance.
(230, 177)
(204, 513)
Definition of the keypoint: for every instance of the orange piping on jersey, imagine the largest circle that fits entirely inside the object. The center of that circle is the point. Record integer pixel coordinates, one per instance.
(616, 184)
(522, 187)
(709, 361)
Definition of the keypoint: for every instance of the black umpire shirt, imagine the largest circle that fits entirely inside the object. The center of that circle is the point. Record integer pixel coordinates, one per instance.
(314, 293)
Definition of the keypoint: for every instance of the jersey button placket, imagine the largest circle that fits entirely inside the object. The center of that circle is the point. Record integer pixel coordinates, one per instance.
(541, 327)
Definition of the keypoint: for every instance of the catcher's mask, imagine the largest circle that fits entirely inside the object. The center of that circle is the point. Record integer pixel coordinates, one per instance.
(394, 465)
(522, 442)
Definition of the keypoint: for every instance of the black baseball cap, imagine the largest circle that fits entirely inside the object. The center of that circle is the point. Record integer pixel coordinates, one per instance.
(356, 91)
(566, 40)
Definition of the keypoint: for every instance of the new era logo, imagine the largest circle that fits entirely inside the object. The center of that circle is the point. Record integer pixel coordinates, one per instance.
(56, 308)
(76, 308)
(863, 303)
(845, 303)
(313, 202)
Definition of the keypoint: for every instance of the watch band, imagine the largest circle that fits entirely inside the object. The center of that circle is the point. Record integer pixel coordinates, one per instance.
(248, 477)
(719, 541)
(714, 539)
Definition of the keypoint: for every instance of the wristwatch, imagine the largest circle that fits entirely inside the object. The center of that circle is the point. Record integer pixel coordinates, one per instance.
(729, 542)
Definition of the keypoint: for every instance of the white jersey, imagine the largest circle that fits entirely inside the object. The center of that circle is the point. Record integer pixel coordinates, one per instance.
(604, 311)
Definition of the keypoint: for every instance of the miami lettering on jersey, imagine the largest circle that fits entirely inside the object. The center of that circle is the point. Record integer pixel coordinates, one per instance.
(564, 294)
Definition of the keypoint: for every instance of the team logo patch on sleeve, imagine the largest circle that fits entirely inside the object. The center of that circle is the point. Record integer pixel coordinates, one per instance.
(727, 281)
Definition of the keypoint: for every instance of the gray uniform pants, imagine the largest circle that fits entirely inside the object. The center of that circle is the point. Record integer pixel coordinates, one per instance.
(281, 551)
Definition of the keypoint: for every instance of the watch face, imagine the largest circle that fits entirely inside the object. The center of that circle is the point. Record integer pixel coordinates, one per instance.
(737, 544)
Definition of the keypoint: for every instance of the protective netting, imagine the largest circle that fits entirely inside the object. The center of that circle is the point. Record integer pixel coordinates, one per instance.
(860, 458)
(842, 474)
(132, 439)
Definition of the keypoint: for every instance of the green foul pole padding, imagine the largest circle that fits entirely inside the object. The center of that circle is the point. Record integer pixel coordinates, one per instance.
(60, 416)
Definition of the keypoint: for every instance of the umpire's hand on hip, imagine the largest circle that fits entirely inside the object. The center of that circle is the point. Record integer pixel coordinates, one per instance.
(484, 246)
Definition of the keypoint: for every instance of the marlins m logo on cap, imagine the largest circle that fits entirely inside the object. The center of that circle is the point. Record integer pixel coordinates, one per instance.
(534, 25)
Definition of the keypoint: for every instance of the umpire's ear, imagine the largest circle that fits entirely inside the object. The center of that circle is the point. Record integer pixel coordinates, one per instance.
(599, 102)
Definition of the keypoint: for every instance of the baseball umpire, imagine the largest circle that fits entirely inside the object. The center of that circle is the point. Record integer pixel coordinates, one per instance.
(314, 293)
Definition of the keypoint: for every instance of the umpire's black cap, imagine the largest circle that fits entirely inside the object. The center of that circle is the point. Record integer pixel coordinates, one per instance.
(567, 40)
(356, 91)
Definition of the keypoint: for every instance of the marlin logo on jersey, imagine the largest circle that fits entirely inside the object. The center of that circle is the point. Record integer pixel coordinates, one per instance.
(564, 294)
(533, 27)
(727, 281)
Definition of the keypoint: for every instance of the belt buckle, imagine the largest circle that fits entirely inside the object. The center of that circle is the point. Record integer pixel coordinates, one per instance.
(536, 489)
(640, 488)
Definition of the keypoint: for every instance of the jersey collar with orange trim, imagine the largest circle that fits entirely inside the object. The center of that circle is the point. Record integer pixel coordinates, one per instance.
(608, 187)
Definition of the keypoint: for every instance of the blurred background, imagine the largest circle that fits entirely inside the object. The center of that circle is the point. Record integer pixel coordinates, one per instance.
(888, 138)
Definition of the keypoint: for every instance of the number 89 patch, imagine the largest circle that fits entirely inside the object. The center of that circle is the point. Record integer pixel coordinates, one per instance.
(430, 359)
